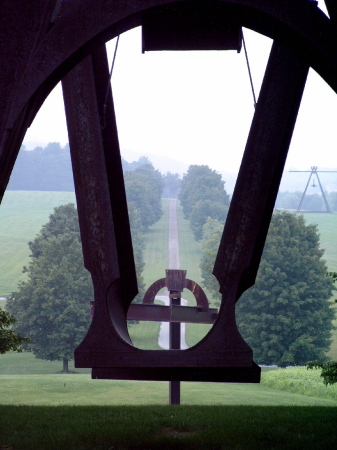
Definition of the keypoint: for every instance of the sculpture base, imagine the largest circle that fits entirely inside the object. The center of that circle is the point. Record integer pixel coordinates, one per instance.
(209, 374)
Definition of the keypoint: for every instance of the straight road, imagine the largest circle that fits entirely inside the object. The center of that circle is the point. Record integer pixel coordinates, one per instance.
(174, 263)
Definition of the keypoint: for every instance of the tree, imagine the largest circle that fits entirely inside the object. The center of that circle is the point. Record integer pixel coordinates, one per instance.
(329, 370)
(212, 232)
(64, 220)
(53, 306)
(135, 164)
(43, 169)
(172, 185)
(203, 210)
(286, 317)
(9, 339)
(144, 188)
(138, 249)
(288, 200)
(291, 200)
(201, 183)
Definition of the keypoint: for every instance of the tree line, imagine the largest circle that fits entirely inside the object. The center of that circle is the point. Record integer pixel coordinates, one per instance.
(49, 169)
(286, 317)
(311, 202)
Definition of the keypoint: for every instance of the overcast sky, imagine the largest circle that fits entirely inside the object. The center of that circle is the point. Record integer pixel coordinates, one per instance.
(197, 107)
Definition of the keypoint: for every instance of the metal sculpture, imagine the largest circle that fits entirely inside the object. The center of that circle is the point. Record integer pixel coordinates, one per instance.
(42, 43)
(175, 282)
(313, 172)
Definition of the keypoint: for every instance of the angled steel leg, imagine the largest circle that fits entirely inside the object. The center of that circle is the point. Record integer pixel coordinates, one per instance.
(222, 355)
(114, 170)
(260, 173)
(99, 221)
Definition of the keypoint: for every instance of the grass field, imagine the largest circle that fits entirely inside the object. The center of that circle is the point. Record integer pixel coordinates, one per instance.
(31, 381)
(22, 214)
(41, 410)
(327, 228)
(168, 427)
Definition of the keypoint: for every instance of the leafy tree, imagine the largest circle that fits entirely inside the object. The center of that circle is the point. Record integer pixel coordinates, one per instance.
(9, 339)
(135, 164)
(64, 220)
(212, 232)
(144, 189)
(138, 249)
(201, 183)
(53, 306)
(286, 317)
(288, 200)
(172, 185)
(291, 200)
(329, 370)
(203, 210)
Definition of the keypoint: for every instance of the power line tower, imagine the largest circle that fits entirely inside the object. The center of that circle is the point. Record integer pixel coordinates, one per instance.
(314, 172)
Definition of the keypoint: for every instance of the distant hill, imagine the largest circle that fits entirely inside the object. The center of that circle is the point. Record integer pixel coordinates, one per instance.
(49, 169)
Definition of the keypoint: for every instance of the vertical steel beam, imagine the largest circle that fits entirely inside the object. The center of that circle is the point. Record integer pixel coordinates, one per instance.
(93, 196)
(260, 173)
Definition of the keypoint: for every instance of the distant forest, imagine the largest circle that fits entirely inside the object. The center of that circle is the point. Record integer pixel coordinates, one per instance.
(49, 169)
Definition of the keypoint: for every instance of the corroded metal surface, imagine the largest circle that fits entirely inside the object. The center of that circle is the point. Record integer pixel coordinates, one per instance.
(37, 47)
(175, 282)
(40, 43)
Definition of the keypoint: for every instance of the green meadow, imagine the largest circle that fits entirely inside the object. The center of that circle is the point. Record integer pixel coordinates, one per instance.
(22, 213)
(40, 408)
(31, 381)
(45, 409)
(167, 427)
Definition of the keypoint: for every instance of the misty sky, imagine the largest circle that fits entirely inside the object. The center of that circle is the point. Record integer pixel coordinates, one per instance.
(197, 107)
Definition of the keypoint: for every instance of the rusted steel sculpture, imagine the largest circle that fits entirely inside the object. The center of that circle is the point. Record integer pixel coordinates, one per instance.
(42, 43)
(175, 282)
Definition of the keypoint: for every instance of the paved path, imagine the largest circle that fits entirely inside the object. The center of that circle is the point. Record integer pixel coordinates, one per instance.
(174, 263)
(173, 239)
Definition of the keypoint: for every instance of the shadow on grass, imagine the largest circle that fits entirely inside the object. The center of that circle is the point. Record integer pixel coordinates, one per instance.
(178, 427)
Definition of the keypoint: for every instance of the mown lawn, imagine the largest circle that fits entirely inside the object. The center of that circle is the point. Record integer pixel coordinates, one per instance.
(327, 228)
(27, 380)
(43, 410)
(22, 213)
(168, 427)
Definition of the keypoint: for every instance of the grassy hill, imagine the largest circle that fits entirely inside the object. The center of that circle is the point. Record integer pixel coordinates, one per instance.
(22, 214)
